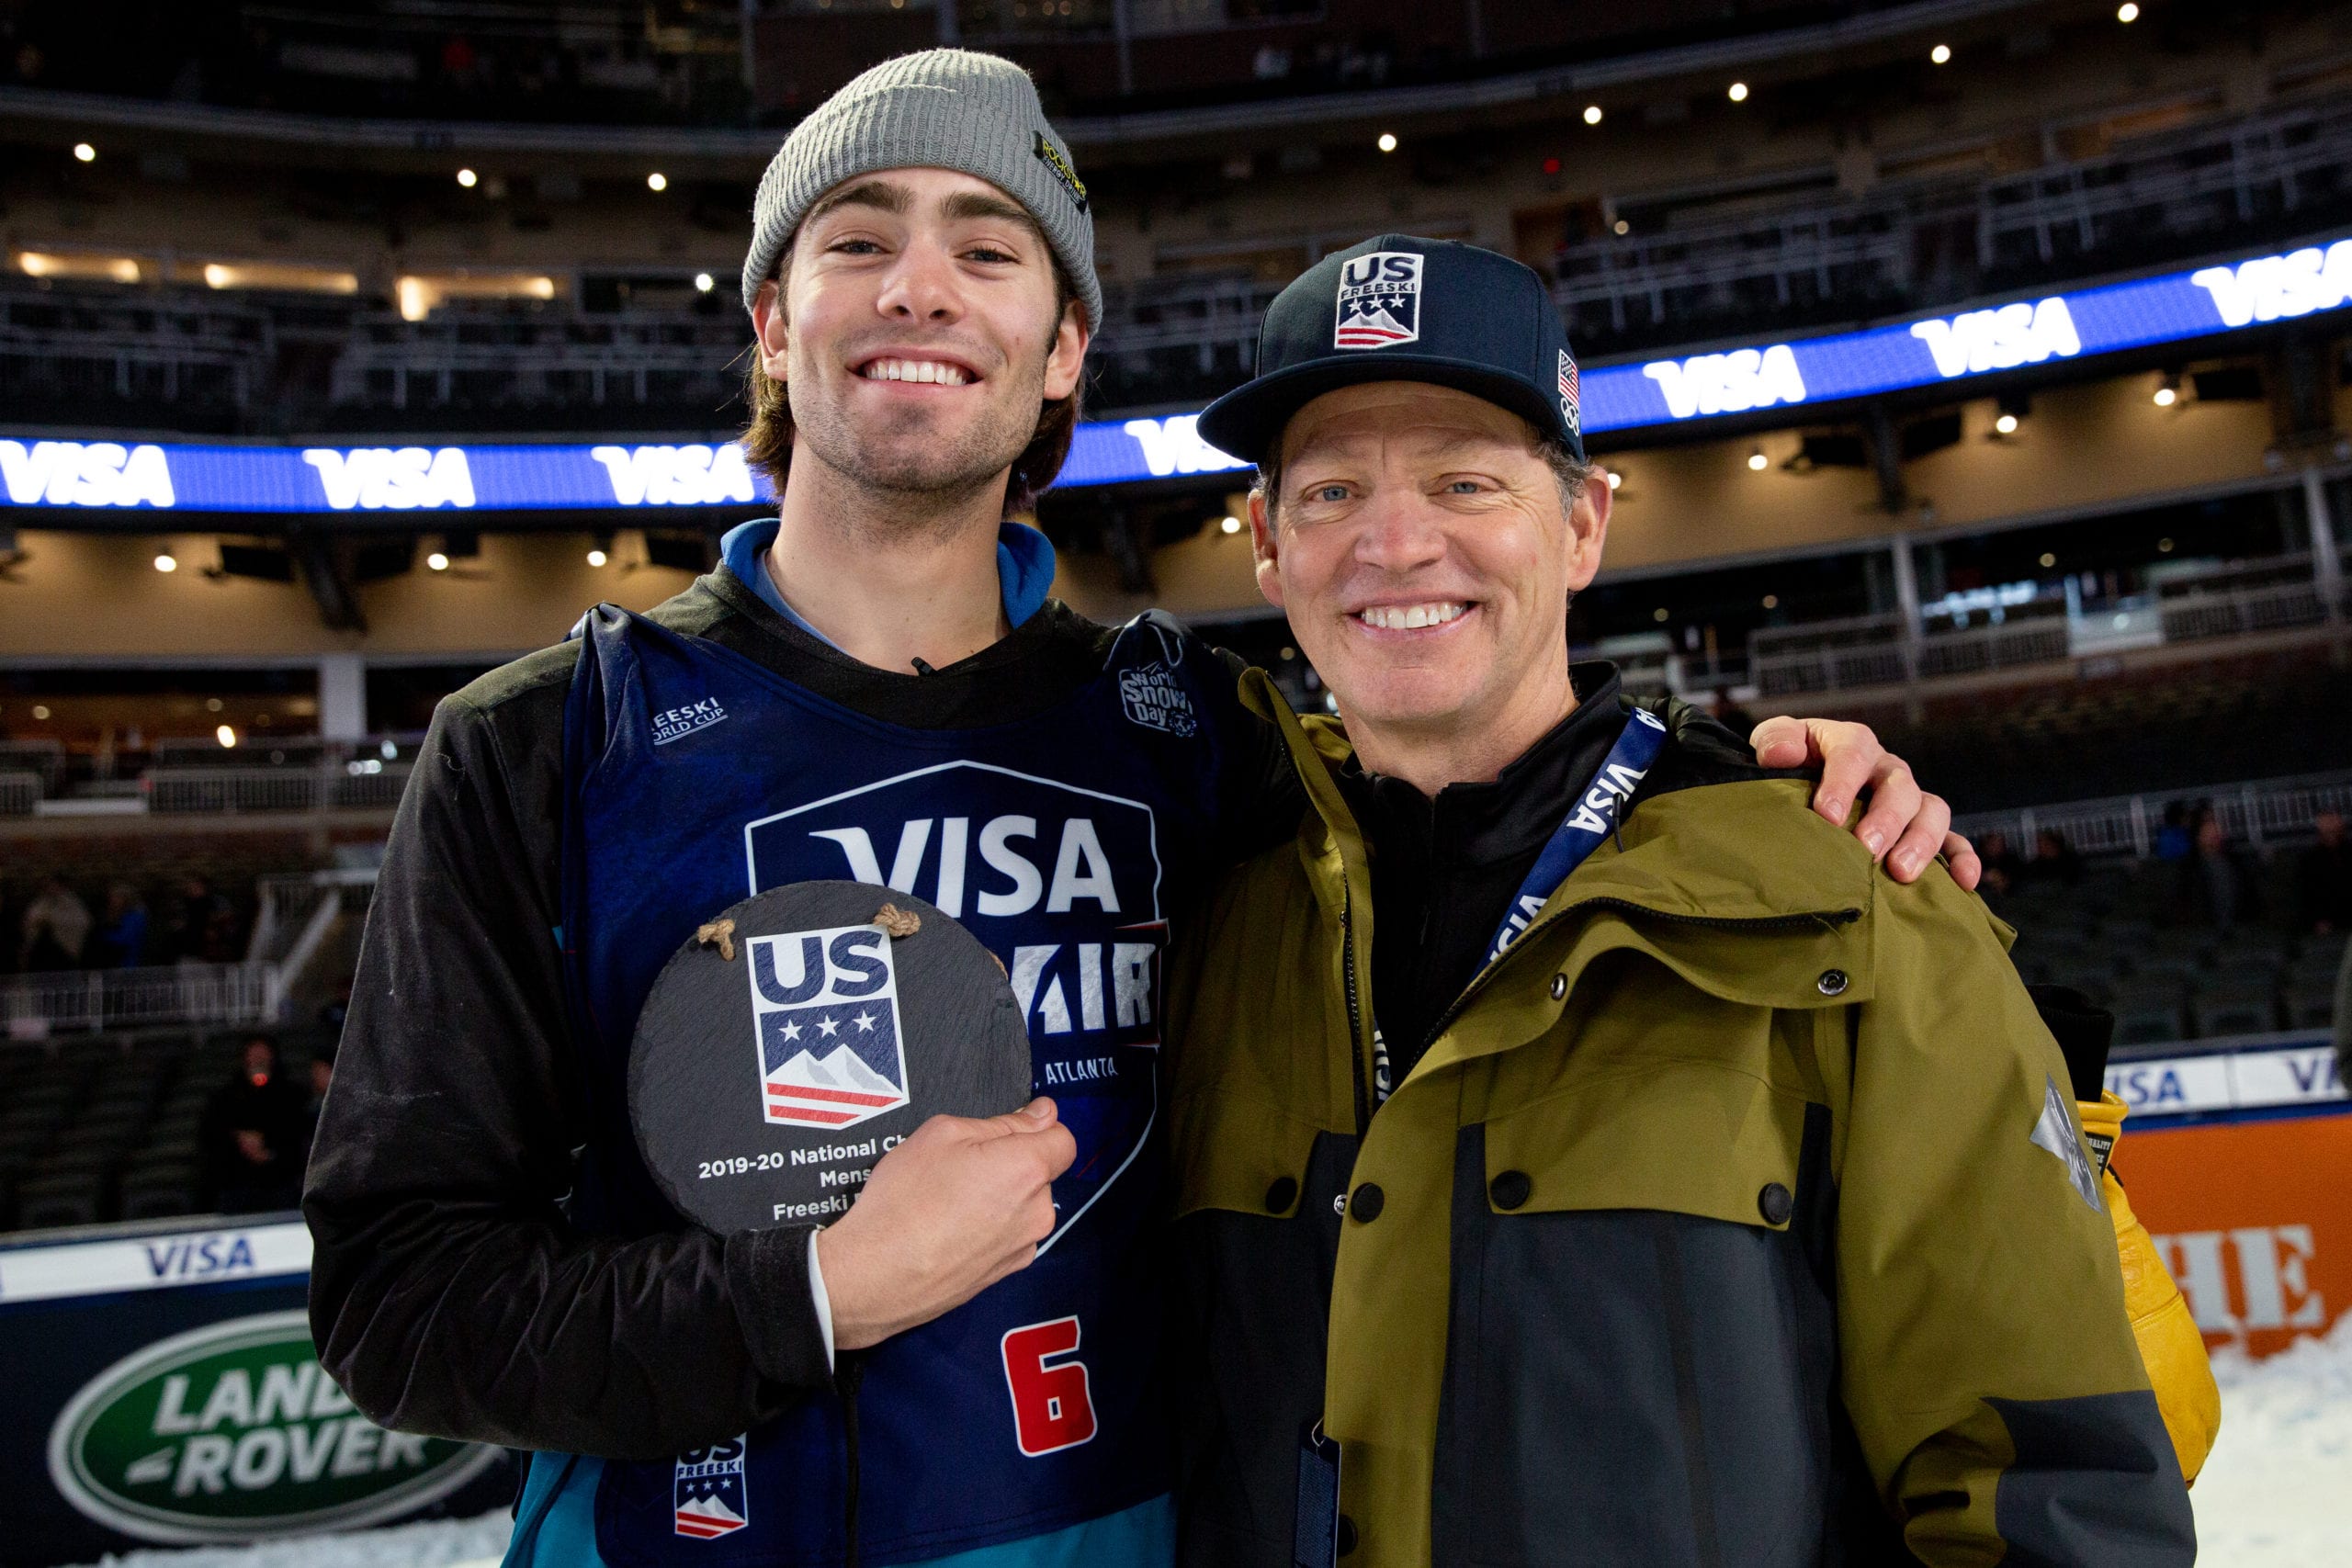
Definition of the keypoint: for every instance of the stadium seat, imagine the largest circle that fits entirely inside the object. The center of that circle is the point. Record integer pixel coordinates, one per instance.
(49, 1203)
(158, 1192)
(2234, 1011)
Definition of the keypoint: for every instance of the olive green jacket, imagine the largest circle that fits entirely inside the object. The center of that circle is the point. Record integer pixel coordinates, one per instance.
(1711, 1228)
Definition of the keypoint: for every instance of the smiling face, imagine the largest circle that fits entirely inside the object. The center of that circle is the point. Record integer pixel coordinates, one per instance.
(918, 331)
(1419, 541)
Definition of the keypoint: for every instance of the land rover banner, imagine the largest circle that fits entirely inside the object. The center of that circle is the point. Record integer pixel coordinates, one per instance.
(160, 1388)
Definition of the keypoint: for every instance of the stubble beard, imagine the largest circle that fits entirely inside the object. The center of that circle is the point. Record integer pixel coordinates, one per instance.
(906, 461)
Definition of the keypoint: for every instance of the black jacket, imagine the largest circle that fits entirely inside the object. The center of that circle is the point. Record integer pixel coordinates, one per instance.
(450, 1295)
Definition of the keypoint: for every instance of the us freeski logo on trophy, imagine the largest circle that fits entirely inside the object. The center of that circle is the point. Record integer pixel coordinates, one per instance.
(826, 1005)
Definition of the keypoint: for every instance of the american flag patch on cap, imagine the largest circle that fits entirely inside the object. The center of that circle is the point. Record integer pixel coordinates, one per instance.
(1568, 395)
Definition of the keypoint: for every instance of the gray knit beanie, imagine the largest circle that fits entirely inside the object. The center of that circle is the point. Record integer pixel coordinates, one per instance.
(946, 108)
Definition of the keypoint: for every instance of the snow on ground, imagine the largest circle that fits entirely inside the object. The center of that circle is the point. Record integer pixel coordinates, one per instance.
(2275, 1495)
(433, 1543)
(2278, 1491)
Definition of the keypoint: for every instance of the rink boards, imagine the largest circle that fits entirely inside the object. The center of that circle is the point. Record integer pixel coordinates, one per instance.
(2237, 1155)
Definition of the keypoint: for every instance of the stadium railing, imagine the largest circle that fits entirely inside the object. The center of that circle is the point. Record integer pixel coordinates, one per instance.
(18, 793)
(32, 1006)
(2252, 813)
(2273, 594)
(359, 785)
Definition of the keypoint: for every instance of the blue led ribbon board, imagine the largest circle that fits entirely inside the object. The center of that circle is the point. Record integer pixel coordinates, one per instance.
(2176, 308)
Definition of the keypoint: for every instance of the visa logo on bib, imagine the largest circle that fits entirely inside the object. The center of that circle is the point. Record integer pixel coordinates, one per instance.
(1061, 883)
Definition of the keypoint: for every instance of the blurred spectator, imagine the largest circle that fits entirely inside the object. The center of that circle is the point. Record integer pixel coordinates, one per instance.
(2323, 878)
(204, 927)
(1731, 716)
(2003, 869)
(2343, 1018)
(321, 1079)
(2217, 883)
(2174, 840)
(55, 928)
(253, 1135)
(2055, 859)
(121, 941)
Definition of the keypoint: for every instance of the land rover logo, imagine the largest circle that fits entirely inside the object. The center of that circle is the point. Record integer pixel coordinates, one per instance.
(231, 1432)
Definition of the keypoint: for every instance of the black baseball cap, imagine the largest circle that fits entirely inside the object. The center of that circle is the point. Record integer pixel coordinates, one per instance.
(1398, 307)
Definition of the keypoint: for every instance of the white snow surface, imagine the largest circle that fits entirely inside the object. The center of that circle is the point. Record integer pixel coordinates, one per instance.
(432, 1543)
(2276, 1493)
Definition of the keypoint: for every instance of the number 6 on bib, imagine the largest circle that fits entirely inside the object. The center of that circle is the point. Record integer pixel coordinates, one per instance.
(1051, 1408)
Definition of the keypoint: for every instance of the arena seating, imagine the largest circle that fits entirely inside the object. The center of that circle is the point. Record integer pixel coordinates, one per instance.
(2106, 934)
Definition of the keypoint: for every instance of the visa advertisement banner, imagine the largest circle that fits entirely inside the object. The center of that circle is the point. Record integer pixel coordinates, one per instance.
(162, 1390)
(2239, 1162)
(2033, 329)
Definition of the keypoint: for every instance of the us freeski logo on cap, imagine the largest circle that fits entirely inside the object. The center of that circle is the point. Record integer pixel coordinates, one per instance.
(1568, 395)
(1380, 301)
(827, 1006)
(708, 1494)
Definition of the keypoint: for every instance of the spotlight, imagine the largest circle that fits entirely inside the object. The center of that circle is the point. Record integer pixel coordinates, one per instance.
(226, 736)
(2127, 13)
(702, 283)
(598, 558)
(1739, 92)
(2007, 424)
(167, 562)
(2167, 391)
(1387, 142)
(467, 178)
(1615, 478)
(657, 180)
(437, 561)
(1941, 54)
(600, 547)
(1592, 114)
(1231, 525)
(85, 154)
(1757, 461)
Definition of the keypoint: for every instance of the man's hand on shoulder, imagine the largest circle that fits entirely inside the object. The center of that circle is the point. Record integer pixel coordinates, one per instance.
(959, 1205)
(1905, 827)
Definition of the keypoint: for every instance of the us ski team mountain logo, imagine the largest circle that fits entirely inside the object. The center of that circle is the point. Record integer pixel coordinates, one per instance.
(1380, 301)
(708, 1493)
(826, 1005)
(233, 1432)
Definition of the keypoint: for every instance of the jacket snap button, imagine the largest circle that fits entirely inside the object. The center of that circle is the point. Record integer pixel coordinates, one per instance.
(1365, 1205)
(1559, 987)
(1832, 982)
(1347, 1535)
(1775, 1203)
(1509, 1190)
(1281, 1194)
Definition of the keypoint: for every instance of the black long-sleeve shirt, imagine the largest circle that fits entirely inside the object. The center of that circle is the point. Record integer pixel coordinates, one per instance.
(449, 1292)
(1446, 869)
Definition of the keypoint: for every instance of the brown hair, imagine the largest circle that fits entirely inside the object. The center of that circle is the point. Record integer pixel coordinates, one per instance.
(767, 442)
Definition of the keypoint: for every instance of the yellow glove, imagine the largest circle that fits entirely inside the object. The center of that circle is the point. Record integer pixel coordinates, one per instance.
(2170, 1345)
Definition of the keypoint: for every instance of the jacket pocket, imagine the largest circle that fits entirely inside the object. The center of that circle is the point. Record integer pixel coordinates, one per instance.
(1236, 1152)
(1688, 1138)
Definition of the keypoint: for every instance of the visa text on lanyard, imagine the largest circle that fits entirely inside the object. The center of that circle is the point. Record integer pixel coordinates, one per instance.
(1592, 820)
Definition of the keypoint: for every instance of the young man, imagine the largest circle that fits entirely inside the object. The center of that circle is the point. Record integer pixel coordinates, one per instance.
(1583, 1155)
(964, 1368)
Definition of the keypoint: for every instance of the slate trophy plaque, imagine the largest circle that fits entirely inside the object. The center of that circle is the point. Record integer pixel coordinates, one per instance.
(800, 1036)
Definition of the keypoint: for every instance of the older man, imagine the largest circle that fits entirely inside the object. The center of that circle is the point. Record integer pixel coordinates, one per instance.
(1584, 1155)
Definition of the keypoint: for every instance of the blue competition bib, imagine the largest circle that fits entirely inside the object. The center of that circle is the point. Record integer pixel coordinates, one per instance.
(697, 777)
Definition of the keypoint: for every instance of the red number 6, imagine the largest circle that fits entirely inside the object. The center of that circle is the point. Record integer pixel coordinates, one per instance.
(1051, 1408)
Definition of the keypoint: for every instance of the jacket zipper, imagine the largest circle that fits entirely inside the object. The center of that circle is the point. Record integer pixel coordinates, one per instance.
(1625, 906)
(1355, 1012)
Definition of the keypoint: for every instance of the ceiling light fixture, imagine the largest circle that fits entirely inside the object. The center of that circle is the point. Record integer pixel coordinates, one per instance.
(437, 561)
(1739, 92)
(467, 178)
(1941, 54)
(1387, 143)
(2007, 424)
(167, 562)
(657, 180)
(1757, 461)
(1592, 114)
(85, 154)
